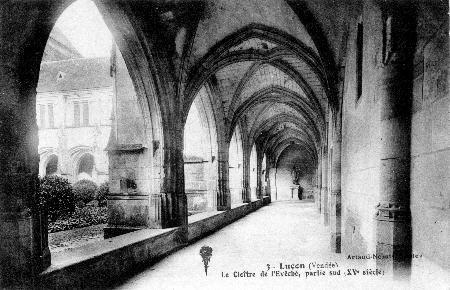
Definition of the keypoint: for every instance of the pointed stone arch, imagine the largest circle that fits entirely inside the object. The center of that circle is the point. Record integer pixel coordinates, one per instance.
(219, 56)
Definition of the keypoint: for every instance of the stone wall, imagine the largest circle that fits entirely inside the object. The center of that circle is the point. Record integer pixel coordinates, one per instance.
(68, 140)
(130, 159)
(100, 264)
(430, 151)
(430, 140)
(360, 138)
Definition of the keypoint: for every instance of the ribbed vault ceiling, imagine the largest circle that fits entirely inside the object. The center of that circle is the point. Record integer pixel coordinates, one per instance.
(271, 85)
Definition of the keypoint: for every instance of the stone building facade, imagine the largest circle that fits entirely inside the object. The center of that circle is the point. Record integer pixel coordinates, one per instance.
(74, 104)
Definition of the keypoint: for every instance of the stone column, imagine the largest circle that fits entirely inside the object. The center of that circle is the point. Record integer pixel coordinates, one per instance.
(168, 201)
(395, 94)
(324, 190)
(146, 175)
(246, 179)
(319, 184)
(273, 186)
(130, 154)
(23, 235)
(223, 193)
(23, 226)
(175, 209)
(259, 182)
(335, 196)
(267, 176)
(23, 242)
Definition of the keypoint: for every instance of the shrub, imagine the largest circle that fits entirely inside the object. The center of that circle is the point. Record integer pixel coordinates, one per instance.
(56, 195)
(82, 217)
(102, 193)
(84, 192)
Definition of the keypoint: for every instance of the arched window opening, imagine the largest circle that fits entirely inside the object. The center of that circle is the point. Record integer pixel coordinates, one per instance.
(200, 156)
(52, 165)
(86, 166)
(236, 160)
(253, 173)
(75, 91)
(86, 99)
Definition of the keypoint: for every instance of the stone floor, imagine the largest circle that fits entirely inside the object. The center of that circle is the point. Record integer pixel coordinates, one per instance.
(284, 232)
(70, 239)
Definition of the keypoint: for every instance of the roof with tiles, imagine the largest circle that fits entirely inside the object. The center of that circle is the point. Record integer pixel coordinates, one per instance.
(74, 74)
(63, 68)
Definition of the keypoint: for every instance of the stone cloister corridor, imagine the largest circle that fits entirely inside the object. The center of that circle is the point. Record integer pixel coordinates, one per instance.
(273, 131)
(308, 241)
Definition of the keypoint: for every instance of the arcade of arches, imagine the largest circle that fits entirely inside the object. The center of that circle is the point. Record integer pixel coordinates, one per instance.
(242, 102)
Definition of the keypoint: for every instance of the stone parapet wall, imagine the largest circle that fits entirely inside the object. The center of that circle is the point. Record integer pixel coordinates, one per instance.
(90, 266)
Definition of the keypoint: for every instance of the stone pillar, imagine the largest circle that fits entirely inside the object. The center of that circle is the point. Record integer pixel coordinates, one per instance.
(168, 201)
(23, 243)
(246, 180)
(268, 188)
(130, 155)
(24, 248)
(335, 196)
(319, 184)
(324, 190)
(223, 192)
(23, 227)
(175, 210)
(259, 182)
(273, 186)
(146, 175)
(395, 94)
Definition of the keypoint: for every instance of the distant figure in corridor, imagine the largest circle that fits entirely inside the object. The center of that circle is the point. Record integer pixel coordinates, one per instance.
(295, 174)
(300, 192)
